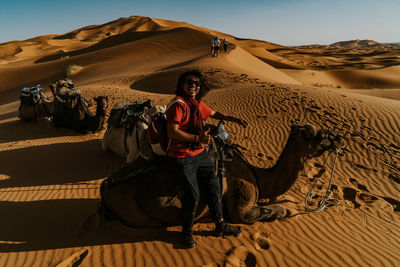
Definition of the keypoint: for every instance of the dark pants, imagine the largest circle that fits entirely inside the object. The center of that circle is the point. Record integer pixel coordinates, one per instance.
(199, 168)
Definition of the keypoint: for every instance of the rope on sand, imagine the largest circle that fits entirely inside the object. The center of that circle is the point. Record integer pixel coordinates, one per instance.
(328, 199)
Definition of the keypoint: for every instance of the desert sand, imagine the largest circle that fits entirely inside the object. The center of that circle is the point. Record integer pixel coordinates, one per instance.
(50, 177)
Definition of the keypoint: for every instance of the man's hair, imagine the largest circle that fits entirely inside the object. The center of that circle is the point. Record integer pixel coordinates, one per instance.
(204, 88)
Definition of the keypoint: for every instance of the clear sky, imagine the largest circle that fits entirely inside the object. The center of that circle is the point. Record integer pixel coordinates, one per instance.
(286, 22)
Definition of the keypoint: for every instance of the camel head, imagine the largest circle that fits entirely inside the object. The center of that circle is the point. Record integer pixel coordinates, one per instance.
(313, 142)
(102, 102)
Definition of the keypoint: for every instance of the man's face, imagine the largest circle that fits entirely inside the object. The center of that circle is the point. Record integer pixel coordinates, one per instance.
(191, 85)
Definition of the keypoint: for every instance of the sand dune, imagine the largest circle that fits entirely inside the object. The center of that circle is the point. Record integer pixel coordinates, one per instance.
(50, 177)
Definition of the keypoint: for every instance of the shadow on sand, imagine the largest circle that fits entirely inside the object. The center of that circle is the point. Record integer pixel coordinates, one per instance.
(53, 224)
(57, 164)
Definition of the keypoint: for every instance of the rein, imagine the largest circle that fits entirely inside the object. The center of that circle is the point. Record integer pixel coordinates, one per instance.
(328, 200)
(140, 118)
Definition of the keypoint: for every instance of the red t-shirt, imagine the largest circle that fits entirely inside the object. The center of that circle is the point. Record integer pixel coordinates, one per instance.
(180, 112)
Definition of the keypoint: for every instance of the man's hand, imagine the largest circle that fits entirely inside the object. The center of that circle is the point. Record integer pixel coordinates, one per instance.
(205, 138)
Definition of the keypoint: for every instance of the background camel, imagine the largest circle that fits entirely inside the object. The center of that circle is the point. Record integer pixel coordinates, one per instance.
(130, 139)
(147, 193)
(93, 123)
(34, 105)
(70, 107)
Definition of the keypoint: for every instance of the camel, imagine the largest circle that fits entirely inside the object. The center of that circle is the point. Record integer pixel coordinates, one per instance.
(93, 123)
(70, 107)
(59, 86)
(35, 105)
(130, 139)
(147, 193)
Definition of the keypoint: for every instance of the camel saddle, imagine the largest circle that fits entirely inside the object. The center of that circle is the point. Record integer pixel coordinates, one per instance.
(32, 95)
(127, 115)
(69, 98)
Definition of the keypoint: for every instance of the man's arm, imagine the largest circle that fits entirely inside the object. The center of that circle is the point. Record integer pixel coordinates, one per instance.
(175, 133)
(219, 116)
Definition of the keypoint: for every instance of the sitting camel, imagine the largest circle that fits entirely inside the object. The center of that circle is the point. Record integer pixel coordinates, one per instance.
(70, 107)
(129, 138)
(93, 123)
(147, 194)
(59, 86)
(34, 105)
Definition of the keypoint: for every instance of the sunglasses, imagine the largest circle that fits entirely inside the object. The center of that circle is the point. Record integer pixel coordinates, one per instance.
(191, 82)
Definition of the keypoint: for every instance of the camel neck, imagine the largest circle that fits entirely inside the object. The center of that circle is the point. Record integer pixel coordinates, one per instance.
(279, 178)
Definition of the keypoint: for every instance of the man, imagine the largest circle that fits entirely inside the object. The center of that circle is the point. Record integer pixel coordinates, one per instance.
(185, 117)
(217, 45)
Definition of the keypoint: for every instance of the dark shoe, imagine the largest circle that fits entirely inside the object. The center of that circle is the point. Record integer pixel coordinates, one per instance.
(188, 240)
(224, 229)
(273, 212)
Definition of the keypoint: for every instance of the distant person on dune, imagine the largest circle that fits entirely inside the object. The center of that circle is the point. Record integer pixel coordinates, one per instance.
(217, 44)
(212, 47)
(185, 128)
(225, 43)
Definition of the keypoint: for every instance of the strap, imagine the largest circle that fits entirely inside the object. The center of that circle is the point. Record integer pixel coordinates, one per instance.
(176, 100)
(170, 104)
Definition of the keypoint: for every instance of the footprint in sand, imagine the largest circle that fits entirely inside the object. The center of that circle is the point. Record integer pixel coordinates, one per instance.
(261, 241)
(240, 256)
(351, 194)
(395, 203)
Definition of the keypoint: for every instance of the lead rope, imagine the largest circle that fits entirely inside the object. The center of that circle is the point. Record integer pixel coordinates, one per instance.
(328, 195)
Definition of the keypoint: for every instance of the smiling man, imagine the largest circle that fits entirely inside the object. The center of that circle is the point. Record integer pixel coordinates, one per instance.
(185, 116)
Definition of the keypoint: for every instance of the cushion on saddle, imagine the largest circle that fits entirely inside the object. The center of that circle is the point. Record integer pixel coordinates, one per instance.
(31, 95)
(127, 115)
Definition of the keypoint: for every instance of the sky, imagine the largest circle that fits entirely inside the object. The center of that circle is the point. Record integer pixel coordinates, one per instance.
(285, 22)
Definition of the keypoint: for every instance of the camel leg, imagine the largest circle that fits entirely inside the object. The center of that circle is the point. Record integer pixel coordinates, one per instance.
(104, 146)
(131, 157)
(240, 201)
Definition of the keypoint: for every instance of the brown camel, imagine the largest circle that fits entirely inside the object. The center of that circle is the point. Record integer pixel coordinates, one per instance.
(147, 194)
(34, 105)
(93, 123)
(70, 107)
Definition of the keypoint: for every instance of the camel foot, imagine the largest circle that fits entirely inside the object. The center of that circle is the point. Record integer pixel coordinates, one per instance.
(270, 213)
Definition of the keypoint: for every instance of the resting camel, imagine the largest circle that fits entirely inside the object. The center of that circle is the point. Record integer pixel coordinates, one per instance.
(93, 123)
(35, 105)
(130, 140)
(147, 194)
(58, 86)
(70, 107)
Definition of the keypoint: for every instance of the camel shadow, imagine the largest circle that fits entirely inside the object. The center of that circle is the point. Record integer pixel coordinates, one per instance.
(57, 164)
(16, 130)
(8, 115)
(54, 224)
